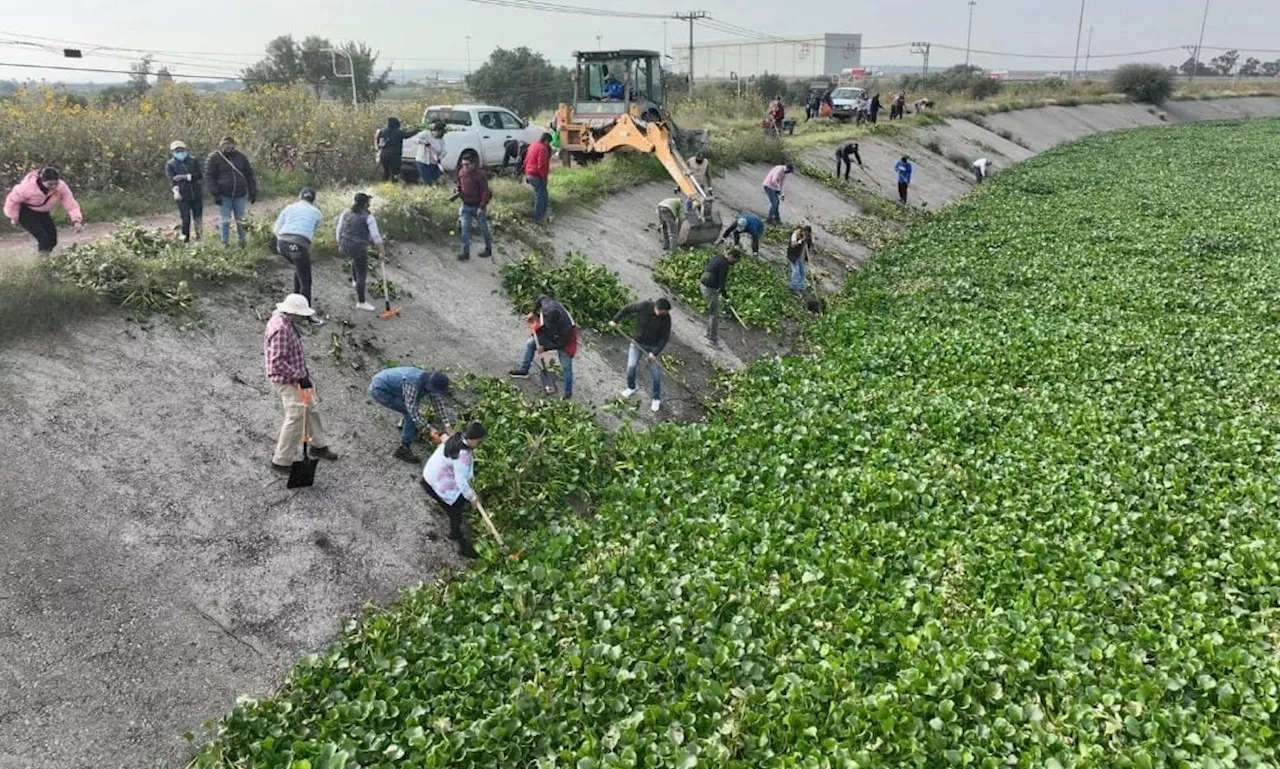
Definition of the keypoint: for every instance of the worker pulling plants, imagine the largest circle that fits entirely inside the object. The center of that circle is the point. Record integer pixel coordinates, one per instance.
(749, 224)
(798, 251)
(652, 332)
(29, 202)
(357, 228)
(773, 183)
(447, 478)
(715, 287)
(185, 174)
(845, 151)
(402, 389)
(287, 371)
(980, 169)
(552, 329)
(295, 230)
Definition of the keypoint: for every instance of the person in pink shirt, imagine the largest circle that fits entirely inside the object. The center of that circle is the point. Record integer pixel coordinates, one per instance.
(30, 201)
(773, 182)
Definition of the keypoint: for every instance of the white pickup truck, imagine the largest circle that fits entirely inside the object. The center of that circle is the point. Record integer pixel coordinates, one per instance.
(478, 132)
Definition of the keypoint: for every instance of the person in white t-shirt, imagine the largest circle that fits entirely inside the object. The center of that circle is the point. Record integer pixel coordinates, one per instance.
(980, 167)
(430, 154)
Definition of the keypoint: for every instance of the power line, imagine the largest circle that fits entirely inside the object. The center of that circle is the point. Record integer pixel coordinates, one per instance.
(539, 5)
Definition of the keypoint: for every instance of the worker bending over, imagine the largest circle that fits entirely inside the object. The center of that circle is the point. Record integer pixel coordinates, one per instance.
(447, 476)
(552, 329)
(653, 331)
(402, 389)
(845, 151)
(748, 223)
(980, 167)
(673, 219)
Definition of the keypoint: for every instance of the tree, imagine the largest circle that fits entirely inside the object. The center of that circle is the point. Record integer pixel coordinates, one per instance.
(288, 62)
(520, 80)
(135, 87)
(164, 76)
(139, 71)
(770, 86)
(1225, 63)
(1198, 67)
(1143, 82)
(1271, 68)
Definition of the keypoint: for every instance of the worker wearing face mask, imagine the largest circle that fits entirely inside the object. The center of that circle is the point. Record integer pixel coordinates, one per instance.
(185, 174)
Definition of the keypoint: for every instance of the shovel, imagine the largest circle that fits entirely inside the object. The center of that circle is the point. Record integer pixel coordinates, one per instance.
(488, 523)
(546, 377)
(303, 472)
(389, 312)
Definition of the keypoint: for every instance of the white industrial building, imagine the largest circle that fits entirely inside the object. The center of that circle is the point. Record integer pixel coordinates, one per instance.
(799, 57)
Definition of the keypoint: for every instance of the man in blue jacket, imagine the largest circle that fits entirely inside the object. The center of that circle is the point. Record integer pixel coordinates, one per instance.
(295, 230)
(904, 177)
(402, 389)
(748, 223)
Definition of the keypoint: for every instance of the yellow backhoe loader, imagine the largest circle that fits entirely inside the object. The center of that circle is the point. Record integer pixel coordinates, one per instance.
(618, 106)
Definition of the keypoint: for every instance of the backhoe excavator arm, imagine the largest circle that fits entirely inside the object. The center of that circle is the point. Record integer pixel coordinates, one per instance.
(654, 139)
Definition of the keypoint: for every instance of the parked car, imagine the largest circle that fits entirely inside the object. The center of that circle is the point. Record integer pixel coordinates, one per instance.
(478, 132)
(844, 102)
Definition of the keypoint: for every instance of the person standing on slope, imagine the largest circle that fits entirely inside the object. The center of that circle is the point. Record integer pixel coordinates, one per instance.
(552, 329)
(843, 153)
(798, 254)
(390, 143)
(430, 155)
(357, 228)
(184, 175)
(773, 182)
(903, 169)
(29, 202)
(295, 231)
(700, 170)
(447, 478)
(653, 331)
(674, 222)
(473, 191)
(715, 286)
(537, 167)
(402, 389)
(287, 371)
(233, 185)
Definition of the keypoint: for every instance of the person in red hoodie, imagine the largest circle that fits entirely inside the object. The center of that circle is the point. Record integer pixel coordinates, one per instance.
(537, 167)
(30, 201)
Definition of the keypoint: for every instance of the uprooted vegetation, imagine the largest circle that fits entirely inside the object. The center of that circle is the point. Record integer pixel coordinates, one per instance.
(758, 293)
(1015, 507)
(592, 292)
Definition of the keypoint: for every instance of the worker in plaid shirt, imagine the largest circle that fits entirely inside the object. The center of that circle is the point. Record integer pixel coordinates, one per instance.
(287, 370)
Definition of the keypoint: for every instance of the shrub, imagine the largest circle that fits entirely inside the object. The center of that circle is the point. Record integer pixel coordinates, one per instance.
(591, 292)
(1146, 83)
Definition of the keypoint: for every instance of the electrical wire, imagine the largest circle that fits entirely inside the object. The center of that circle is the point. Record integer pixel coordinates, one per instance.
(540, 5)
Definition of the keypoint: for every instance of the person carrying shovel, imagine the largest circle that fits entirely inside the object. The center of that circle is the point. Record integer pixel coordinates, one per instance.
(287, 371)
(653, 331)
(552, 328)
(402, 389)
(447, 475)
(356, 230)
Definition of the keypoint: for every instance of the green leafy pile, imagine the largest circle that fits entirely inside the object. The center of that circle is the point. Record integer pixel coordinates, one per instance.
(149, 270)
(875, 234)
(1018, 508)
(757, 290)
(591, 292)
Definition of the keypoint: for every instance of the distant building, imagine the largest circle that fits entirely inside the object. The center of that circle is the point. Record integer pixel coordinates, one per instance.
(800, 57)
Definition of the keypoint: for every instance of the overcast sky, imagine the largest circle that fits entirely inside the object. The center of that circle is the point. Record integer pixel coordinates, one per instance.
(422, 34)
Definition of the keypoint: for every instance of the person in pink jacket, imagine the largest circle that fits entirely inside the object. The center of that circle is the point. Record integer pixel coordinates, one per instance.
(30, 201)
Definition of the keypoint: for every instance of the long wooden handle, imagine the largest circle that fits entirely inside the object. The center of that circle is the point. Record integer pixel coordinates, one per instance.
(488, 522)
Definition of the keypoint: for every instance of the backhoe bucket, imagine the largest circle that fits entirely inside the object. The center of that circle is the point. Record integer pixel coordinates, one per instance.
(703, 233)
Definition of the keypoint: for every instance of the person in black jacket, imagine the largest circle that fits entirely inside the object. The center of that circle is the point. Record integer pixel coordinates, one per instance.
(390, 142)
(843, 153)
(184, 175)
(553, 329)
(715, 285)
(653, 331)
(233, 184)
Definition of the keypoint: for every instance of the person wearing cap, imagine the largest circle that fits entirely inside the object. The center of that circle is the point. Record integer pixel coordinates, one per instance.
(233, 185)
(357, 228)
(447, 477)
(700, 170)
(402, 389)
(715, 286)
(287, 371)
(430, 155)
(295, 230)
(29, 203)
(652, 332)
(185, 174)
(980, 167)
(749, 224)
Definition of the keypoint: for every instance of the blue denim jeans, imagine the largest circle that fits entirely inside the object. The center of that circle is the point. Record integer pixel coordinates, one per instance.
(566, 364)
(655, 371)
(229, 207)
(775, 200)
(468, 215)
(392, 398)
(799, 271)
(539, 198)
(428, 174)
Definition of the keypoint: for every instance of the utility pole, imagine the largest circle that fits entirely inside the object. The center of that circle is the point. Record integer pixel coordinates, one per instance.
(691, 17)
(1195, 62)
(968, 42)
(599, 39)
(1088, 51)
(1075, 63)
(922, 48)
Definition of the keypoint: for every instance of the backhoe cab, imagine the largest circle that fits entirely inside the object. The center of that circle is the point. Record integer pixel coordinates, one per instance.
(617, 106)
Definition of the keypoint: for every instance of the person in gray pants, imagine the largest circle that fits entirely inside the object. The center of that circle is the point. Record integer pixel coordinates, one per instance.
(715, 286)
